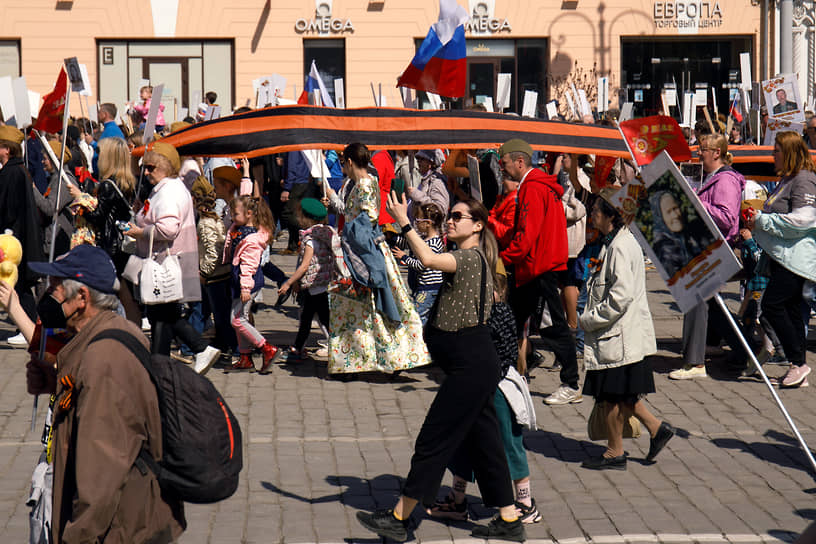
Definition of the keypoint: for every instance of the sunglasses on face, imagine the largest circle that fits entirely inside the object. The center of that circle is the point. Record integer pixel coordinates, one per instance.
(149, 167)
(458, 216)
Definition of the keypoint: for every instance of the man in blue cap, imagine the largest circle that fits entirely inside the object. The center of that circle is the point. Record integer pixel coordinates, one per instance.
(106, 410)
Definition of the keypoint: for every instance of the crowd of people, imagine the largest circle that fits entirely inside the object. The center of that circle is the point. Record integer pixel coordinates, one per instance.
(542, 254)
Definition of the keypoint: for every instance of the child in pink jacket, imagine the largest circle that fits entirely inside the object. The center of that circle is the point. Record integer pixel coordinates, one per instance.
(252, 225)
(146, 94)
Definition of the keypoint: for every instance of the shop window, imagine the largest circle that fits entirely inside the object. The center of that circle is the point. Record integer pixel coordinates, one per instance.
(330, 57)
(9, 58)
(531, 69)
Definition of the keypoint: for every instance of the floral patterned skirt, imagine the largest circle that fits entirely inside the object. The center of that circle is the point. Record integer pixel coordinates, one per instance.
(363, 340)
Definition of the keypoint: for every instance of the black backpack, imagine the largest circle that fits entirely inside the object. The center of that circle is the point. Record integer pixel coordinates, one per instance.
(201, 439)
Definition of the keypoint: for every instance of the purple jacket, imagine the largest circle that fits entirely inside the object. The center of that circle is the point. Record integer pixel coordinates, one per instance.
(721, 196)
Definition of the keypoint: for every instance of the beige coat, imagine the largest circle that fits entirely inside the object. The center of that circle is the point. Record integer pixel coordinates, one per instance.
(617, 324)
(99, 495)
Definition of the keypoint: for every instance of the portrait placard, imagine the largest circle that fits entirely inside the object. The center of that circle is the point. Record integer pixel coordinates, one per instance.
(782, 98)
(676, 232)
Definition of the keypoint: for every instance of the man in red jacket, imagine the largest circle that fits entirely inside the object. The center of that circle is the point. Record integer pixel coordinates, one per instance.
(537, 251)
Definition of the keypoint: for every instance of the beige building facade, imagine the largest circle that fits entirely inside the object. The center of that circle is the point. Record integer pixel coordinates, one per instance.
(642, 46)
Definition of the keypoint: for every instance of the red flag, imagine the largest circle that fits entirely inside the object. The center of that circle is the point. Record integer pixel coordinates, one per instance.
(50, 117)
(649, 136)
(603, 166)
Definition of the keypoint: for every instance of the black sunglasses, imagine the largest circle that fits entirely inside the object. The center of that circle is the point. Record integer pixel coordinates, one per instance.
(149, 167)
(458, 216)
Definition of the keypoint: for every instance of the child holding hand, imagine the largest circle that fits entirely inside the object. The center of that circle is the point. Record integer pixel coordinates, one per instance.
(313, 272)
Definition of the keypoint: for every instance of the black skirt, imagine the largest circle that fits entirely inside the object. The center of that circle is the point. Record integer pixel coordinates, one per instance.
(626, 383)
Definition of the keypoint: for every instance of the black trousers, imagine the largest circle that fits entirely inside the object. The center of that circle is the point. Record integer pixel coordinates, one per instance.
(462, 415)
(289, 212)
(782, 308)
(166, 323)
(524, 300)
(312, 304)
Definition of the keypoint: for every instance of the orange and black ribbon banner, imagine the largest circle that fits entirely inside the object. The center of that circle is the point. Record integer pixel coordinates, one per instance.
(292, 128)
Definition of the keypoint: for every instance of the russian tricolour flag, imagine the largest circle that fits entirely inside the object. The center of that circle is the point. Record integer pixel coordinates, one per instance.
(313, 84)
(440, 65)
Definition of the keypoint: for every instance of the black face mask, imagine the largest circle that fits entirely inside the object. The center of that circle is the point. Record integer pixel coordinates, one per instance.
(51, 313)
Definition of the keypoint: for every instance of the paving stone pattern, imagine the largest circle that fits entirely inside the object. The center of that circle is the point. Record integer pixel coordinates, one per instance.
(317, 450)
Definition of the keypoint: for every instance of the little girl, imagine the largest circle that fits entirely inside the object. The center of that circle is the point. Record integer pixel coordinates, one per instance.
(146, 94)
(424, 282)
(252, 225)
(313, 272)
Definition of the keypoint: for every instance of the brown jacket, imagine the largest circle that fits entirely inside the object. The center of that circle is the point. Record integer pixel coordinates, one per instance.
(111, 410)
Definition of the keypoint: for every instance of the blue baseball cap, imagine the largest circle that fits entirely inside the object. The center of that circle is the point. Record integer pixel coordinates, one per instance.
(86, 264)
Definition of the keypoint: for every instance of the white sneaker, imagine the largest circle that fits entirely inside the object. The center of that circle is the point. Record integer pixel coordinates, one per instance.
(145, 324)
(17, 341)
(322, 352)
(564, 395)
(688, 372)
(205, 359)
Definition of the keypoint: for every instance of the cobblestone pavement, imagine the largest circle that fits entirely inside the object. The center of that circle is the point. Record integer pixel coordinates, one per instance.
(317, 450)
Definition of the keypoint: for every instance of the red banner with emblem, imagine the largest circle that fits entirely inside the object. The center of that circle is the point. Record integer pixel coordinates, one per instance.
(649, 136)
(50, 117)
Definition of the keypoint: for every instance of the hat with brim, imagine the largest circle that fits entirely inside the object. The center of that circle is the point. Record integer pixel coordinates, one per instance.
(516, 145)
(313, 209)
(11, 134)
(229, 173)
(86, 264)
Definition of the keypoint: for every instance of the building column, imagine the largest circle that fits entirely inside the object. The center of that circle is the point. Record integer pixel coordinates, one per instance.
(785, 36)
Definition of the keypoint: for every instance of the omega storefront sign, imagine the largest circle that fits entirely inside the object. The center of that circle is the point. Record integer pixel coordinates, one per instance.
(688, 14)
(482, 20)
(323, 22)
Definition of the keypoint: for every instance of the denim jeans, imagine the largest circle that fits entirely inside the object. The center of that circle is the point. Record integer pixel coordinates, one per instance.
(424, 302)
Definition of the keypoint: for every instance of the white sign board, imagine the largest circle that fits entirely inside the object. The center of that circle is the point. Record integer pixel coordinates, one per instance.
(22, 106)
(626, 111)
(603, 94)
(780, 125)
(586, 109)
(339, 93)
(745, 70)
(503, 91)
(671, 97)
(153, 113)
(530, 104)
(552, 110)
(7, 101)
(86, 81)
(571, 104)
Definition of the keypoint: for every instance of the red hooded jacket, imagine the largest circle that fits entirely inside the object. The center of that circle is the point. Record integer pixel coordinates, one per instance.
(502, 218)
(539, 238)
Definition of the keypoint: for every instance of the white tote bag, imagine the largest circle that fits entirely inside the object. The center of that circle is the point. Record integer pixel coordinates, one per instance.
(160, 282)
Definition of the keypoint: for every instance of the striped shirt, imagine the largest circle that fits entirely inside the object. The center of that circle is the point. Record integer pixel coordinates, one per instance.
(421, 278)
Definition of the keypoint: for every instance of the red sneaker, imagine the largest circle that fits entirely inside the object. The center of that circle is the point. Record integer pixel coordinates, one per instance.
(269, 351)
(244, 363)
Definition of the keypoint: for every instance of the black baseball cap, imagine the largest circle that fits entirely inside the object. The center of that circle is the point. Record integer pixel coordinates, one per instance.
(86, 264)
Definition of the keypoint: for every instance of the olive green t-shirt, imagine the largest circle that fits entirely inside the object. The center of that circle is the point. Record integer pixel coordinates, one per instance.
(459, 296)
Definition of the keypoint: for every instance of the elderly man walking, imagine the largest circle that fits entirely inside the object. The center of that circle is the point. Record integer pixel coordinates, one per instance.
(106, 411)
(538, 249)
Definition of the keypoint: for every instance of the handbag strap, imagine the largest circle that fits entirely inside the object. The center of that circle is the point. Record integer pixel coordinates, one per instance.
(150, 249)
(483, 288)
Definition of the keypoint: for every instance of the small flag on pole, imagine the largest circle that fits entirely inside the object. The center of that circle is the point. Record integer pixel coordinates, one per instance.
(736, 109)
(313, 84)
(440, 64)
